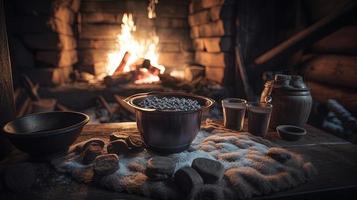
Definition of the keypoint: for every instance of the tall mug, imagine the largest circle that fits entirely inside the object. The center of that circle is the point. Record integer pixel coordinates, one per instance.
(233, 113)
(259, 118)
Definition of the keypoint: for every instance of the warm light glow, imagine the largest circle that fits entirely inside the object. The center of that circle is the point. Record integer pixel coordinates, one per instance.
(146, 77)
(138, 48)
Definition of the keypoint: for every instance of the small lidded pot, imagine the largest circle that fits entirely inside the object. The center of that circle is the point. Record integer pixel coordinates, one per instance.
(291, 100)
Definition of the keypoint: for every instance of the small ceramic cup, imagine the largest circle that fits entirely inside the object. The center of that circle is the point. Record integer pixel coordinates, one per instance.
(233, 113)
(259, 118)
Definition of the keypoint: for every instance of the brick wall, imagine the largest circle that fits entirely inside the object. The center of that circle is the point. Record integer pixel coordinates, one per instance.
(99, 22)
(212, 32)
(49, 37)
(41, 38)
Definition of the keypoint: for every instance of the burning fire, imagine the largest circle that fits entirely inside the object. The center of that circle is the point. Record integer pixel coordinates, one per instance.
(138, 49)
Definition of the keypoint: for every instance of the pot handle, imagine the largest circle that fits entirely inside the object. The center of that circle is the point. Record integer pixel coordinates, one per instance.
(209, 104)
(133, 107)
(127, 100)
(128, 105)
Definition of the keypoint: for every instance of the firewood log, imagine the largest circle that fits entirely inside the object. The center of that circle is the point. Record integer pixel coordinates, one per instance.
(61, 107)
(333, 69)
(343, 41)
(339, 17)
(24, 108)
(122, 64)
(123, 78)
(321, 93)
(123, 104)
(105, 105)
(342, 114)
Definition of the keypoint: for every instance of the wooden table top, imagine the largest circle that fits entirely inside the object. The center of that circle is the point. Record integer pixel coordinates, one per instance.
(335, 160)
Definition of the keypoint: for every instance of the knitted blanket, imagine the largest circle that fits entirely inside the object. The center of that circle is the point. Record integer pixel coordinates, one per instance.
(253, 166)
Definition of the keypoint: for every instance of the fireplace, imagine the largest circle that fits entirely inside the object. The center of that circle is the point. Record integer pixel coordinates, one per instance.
(89, 38)
(96, 49)
(178, 99)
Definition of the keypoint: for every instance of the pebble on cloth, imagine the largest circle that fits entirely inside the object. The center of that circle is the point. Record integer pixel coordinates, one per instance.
(210, 170)
(187, 179)
(106, 164)
(160, 168)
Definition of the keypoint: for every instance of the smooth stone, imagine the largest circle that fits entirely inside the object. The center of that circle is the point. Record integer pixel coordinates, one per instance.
(187, 179)
(106, 164)
(160, 168)
(211, 171)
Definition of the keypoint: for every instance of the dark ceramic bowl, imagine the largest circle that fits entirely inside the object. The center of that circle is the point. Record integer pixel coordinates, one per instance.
(47, 133)
(168, 131)
(290, 132)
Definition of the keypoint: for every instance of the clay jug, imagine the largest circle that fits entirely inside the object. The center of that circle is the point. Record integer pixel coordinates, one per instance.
(291, 100)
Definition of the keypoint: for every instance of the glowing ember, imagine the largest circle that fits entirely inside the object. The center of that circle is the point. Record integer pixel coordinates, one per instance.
(145, 76)
(138, 48)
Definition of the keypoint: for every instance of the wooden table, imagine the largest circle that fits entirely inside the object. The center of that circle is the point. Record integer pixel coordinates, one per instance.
(334, 158)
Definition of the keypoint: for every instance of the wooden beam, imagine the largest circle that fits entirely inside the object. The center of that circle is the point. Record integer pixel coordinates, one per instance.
(241, 72)
(7, 105)
(123, 104)
(311, 34)
(106, 105)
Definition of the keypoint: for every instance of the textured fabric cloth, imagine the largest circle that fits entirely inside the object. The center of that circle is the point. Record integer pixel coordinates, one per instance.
(253, 166)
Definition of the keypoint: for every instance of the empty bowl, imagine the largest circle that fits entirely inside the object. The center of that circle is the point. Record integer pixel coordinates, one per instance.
(47, 133)
(290, 132)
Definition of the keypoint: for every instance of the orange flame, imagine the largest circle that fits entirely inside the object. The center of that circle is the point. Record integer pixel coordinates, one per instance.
(138, 48)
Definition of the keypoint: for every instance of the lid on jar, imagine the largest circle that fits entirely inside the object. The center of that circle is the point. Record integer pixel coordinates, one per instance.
(281, 80)
(289, 82)
(297, 82)
(282, 77)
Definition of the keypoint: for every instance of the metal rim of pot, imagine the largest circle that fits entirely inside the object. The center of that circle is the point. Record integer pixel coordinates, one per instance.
(131, 101)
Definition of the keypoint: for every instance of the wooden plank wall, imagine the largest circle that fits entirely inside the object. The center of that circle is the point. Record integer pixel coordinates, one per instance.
(329, 66)
(6, 89)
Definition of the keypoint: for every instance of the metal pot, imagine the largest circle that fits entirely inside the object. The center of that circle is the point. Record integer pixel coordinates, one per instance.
(168, 131)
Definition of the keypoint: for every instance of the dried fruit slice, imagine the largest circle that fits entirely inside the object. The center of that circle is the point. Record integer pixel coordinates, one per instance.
(118, 147)
(98, 141)
(118, 136)
(106, 164)
(91, 152)
(135, 143)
